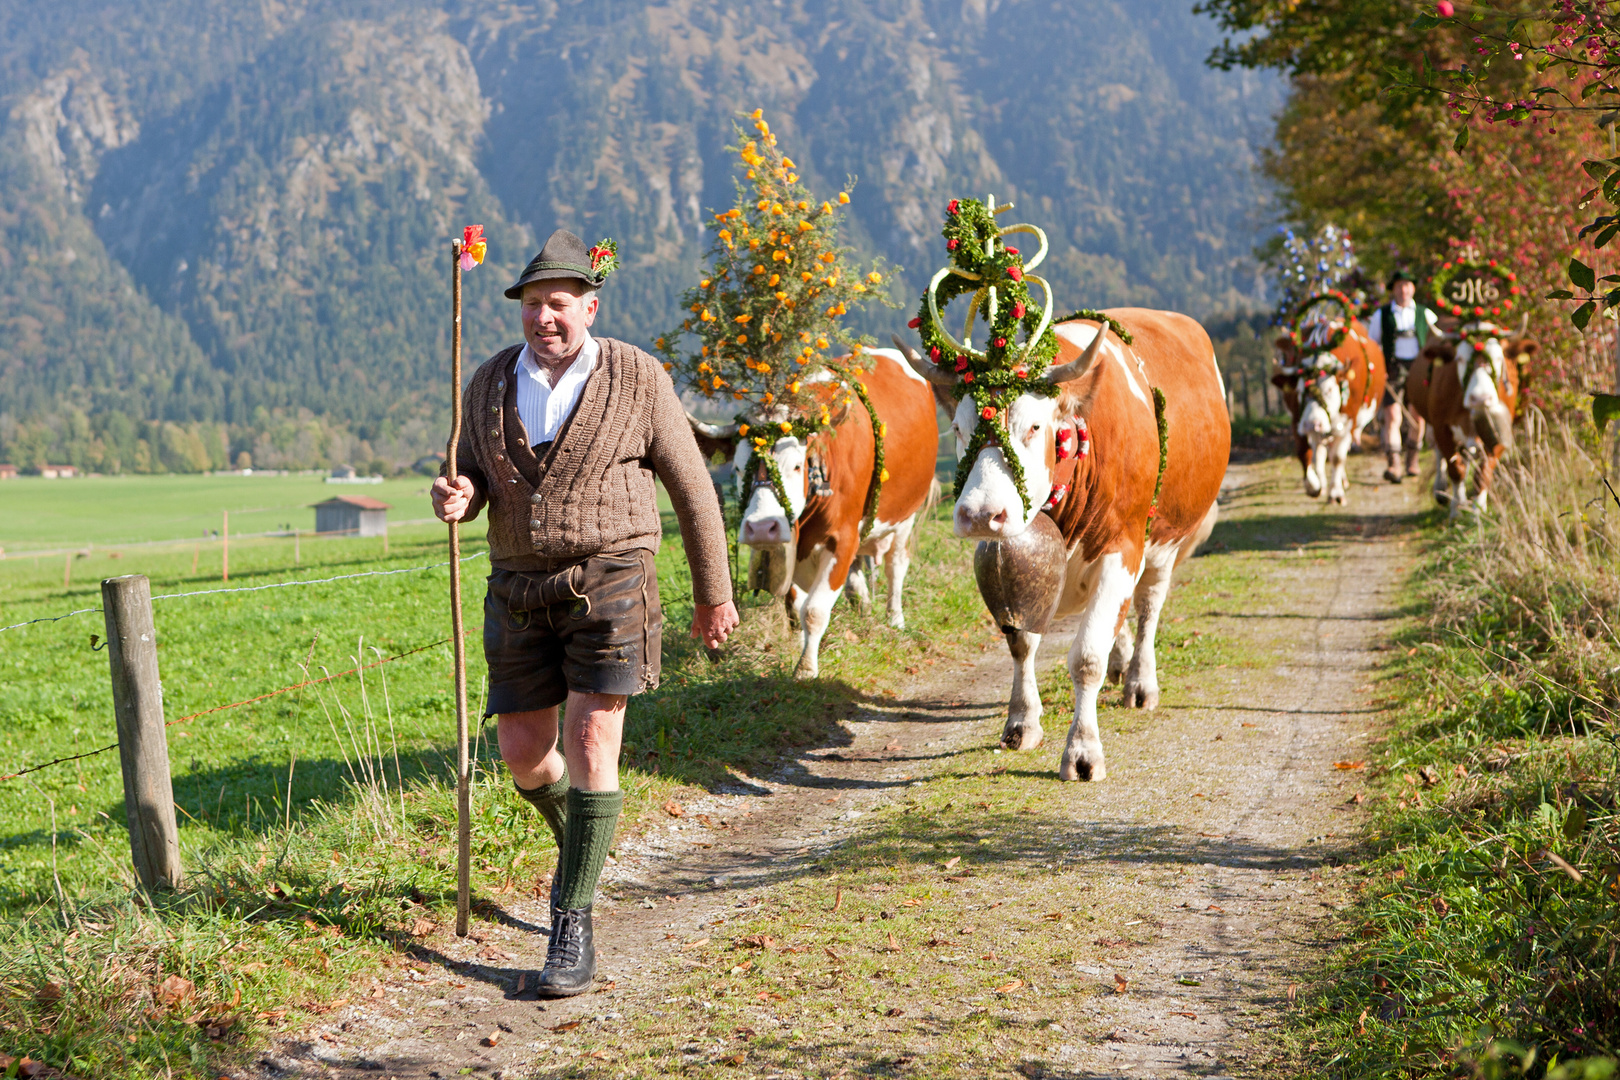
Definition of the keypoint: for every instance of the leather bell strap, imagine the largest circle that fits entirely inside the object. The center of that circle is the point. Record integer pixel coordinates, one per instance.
(1073, 441)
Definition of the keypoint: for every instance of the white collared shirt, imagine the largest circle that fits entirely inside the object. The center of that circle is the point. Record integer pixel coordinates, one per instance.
(1406, 346)
(544, 408)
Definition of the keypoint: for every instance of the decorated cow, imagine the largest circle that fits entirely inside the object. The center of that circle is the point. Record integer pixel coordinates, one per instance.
(1331, 375)
(1469, 392)
(815, 501)
(1091, 455)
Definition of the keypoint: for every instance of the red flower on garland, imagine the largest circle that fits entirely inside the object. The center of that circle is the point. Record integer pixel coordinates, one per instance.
(914, 323)
(933, 354)
(1016, 273)
(1021, 371)
(988, 412)
(967, 376)
(961, 363)
(1018, 310)
(1000, 343)
(1012, 251)
(950, 245)
(950, 207)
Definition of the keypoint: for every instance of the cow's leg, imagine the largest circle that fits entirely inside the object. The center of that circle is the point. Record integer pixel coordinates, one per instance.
(1442, 487)
(1100, 624)
(859, 592)
(1338, 450)
(1142, 680)
(1457, 473)
(816, 610)
(896, 561)
(1313, 468)
(1120, 657)
(1023, 727)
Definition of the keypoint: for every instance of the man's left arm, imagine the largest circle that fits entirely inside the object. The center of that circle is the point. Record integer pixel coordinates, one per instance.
(679, 464)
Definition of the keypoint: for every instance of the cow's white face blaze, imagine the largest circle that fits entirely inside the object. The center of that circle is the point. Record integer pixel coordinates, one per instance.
(989, 507)
(1316, 418)
(764, 522)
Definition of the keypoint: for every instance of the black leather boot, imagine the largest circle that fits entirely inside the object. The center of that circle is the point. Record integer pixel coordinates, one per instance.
(571, 957)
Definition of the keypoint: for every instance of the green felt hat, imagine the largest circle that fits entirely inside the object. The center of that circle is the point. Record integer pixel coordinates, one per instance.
(1400, 275)
(565, 256)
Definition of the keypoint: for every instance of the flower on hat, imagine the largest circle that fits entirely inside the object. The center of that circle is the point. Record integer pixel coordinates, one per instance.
(473, 246)
(604, 257)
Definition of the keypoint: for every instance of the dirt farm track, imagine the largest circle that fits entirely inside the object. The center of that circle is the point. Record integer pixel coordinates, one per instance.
(914, 902)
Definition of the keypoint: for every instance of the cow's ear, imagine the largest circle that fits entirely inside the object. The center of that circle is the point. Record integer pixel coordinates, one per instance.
(1068, 405)
(1285, 345)
(1529, 348)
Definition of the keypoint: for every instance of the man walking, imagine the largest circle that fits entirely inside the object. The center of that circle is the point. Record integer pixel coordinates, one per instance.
(561, 439)
(1401, 328)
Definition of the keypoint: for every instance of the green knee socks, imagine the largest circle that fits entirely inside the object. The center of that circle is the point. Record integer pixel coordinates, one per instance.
(550, 800)
(592, 818)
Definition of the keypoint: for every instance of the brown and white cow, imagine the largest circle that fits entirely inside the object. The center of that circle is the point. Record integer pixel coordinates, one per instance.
(1332, 397)
(1083, 546)
(1470, 396)
(827, 483)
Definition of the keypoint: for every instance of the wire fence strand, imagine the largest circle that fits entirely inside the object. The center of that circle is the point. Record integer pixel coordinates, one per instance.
(236, 705)
(49, 618)
(255, 588)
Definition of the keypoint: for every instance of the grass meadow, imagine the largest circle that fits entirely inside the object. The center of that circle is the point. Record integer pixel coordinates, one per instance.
(317, 826)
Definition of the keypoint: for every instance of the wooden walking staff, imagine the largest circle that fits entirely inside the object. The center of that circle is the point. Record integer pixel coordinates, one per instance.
(465, 253)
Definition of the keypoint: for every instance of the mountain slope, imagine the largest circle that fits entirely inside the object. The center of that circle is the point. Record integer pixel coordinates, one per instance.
(258, 201)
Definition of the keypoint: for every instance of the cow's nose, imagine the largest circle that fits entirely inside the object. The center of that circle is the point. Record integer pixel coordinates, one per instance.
(761, 532)
(980, 522)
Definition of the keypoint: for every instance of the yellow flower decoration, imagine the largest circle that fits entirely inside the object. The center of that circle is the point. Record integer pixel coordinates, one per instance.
(843, 198)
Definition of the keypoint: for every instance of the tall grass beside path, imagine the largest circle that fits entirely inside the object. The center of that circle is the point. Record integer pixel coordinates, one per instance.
(1487, 933)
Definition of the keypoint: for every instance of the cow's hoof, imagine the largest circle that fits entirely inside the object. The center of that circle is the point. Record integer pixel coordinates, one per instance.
(1140, 697)
(806, 671)
(1392, 476)
(1338, 499)
(1081, 769)
(1023, 738)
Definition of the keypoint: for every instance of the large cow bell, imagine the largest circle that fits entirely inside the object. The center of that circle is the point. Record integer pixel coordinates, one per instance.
(770, 569)
(1021, 577)
(1494, 428)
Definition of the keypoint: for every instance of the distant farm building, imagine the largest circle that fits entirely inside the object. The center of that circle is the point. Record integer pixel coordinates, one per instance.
(8, 472)
(58, 472)
(354, 515)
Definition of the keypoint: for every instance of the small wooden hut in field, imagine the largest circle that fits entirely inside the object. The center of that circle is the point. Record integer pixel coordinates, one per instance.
(354, 515)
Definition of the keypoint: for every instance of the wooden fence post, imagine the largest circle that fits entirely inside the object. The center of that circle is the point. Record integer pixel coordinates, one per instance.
(143, 746)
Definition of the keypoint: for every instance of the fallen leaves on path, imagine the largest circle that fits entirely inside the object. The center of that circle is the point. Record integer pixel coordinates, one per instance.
(1349, 766)
(760, 941)
(1120, 983)
(894, 945)
(1188, 1015)
(493, 1038)
(952, 861)
(422, 927)
(838, 898)
(1012, 987)
(568, 1025)
(698, 944)
(674, 809)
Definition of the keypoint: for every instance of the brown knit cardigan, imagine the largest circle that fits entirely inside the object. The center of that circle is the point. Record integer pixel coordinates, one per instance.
(591, 489)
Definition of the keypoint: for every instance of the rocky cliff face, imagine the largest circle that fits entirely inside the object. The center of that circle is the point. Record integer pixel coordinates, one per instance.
(217, 212)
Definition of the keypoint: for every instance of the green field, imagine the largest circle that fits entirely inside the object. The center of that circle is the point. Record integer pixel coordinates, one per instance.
(113, 510)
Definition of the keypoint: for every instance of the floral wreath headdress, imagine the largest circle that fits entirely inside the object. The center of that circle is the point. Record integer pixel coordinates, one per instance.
(998, 277)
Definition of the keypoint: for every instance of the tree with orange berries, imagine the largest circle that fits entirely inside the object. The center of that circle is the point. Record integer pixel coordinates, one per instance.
(770, 306)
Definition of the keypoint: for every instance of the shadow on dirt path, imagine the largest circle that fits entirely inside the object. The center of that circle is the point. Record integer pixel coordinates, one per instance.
(809, 922)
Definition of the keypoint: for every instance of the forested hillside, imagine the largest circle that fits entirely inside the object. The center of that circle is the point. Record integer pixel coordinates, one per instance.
(223, 227)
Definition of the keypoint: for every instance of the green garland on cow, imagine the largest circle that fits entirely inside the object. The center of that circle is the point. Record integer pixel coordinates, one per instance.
(1164, 459)
(1092, 315)
(880, 433)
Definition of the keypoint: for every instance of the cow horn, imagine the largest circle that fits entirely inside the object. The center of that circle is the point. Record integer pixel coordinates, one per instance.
(928, 371)
(712, 431)
(1524, 323)
(1076, 368)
